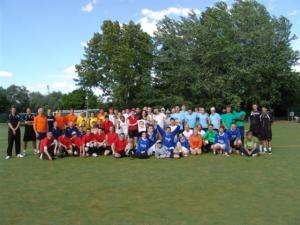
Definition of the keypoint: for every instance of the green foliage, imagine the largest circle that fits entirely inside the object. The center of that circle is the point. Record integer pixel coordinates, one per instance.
(18, 96)
(38, 100)
(77, 100)
(119, 61)
(4, 102)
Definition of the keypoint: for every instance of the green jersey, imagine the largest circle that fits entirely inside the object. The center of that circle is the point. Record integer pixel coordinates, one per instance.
(210, 136)
(239, 123)
(227, 119)
(250, 143)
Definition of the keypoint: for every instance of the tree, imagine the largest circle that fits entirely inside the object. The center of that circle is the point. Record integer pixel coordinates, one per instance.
(38, 100)
(18, 96)
(77, 100)
(118, 60)
(4, 102)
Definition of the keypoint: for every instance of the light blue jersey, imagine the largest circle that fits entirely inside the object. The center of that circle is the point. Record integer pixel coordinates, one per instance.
(215, 120)
(191, 119)
(203, 120)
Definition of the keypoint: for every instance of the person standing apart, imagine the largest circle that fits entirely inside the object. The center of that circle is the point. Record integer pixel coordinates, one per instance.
(29, 134)
(14, 133)
(266, 120)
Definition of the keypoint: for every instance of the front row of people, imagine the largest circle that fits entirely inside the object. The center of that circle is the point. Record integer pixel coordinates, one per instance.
(155, 141)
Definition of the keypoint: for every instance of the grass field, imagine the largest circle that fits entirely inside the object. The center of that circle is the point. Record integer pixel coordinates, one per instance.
(195, 190)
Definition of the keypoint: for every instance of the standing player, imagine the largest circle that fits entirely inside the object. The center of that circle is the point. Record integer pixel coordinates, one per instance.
(266, 120)
(14, 133)
(71, 117)
(60, 119)
(239, 116)
(51, 119)
(132, 123)
(40, 125)
(29, 134)
(255, 123)
(215, 119)
(227, 117)
(203, 118)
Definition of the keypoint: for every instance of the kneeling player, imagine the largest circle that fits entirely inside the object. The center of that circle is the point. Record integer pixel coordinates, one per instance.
(209, 138)
(234, 136)
(77, 145)
(182, 148)
(121, 147)
(196, 143)
(221, 143)
(88, 144)
(99, 141)
(143, 146)
(64, 145)
(111, 138)
(48, 147)
(250, 145)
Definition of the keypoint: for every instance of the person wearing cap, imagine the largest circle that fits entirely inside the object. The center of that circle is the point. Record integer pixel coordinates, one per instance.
(160, 151)
(168, 138)
(77, 145)
(48, 147)
(64, 145)
(215, 118)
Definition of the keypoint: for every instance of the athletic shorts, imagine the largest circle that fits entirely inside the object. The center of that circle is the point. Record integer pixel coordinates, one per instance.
(41, 136)
(265, 134)
(133, 133)
(122, 153)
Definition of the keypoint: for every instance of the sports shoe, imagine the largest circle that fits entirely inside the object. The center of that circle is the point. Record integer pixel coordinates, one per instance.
(226, 154)
(20, 156)
(254, 155)
(270, 152)
(94, 155)
(24, 153)
(8, 157)
(35, 151)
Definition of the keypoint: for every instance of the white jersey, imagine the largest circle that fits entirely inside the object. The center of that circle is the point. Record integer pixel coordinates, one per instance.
(112, 118)
(123, 127)
(201, 132)
(160, 119)
(187, 134)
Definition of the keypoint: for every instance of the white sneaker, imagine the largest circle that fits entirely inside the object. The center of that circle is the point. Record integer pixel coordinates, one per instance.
(226, 154)
(24, 153)
(20, 156)
(35, 151)
(94, 155)
(254, 155)
(8, 157)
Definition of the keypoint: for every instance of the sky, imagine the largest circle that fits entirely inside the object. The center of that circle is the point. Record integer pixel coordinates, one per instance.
(41, 41)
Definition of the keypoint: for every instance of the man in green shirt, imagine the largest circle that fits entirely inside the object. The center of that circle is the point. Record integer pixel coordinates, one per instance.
(239, 117)
(209, 138)
(227, 118)
(250, 145)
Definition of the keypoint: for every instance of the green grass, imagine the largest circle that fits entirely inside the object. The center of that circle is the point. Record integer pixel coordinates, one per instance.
(195, 190)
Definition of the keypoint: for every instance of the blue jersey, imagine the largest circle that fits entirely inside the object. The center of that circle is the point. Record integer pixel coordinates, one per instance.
(191, 119)
(56, 133)
(233, 134)
(179, 117)
(152, 137)
(215, 120)
(70, 130)
(143, 145)
(184, 143)
(223, 139)
(203, 120)
(168, 139)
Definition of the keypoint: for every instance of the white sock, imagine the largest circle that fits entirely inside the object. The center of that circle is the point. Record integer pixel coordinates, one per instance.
(265, 149)
(260, 148)
(270, 148)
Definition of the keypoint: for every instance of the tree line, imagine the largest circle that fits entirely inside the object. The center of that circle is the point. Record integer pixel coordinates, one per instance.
(227, 55)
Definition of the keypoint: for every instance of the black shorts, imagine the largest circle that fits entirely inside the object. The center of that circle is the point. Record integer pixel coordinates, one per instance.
(41, 136)
(29, 134)
(133, 133)
(122, 153)
(265, 134)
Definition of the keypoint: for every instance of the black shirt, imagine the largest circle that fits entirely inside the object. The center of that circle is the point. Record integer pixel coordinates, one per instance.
(29, 117)
(13, 120)
(50, 122)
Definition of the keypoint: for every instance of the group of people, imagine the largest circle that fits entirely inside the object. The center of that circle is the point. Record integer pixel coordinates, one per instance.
(142, 133)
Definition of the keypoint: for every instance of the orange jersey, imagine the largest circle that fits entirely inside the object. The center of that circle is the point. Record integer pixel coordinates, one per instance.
(195, 141)
(101, 117)
(61, 121)
(71, 118)
(40, 123)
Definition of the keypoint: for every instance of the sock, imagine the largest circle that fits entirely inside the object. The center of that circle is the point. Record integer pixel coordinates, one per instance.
(270, 148)
(260, 148)
(265, 149)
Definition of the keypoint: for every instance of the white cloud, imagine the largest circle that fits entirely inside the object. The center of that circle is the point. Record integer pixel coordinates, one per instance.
(150, 18)
(5, 73)
(293, 13)
(71, 70)
(296, 68)
(83, 44)
(89, 6)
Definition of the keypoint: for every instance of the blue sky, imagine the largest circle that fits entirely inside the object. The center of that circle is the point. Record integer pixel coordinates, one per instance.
(41, 41)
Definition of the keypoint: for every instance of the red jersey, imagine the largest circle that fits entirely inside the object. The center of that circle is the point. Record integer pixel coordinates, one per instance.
(99, 137)
(65, 141)
(111, 138)
(121, 145)
(76, 141)
(106, 125)
(87, 138)
(46, 142)
(132, 120)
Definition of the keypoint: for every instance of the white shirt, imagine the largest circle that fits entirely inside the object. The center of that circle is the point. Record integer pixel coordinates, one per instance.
(187, 134)
(160, 119)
